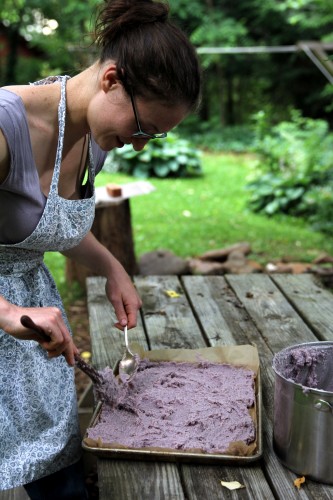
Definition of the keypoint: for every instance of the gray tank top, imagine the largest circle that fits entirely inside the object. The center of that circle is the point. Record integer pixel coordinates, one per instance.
(21, 200)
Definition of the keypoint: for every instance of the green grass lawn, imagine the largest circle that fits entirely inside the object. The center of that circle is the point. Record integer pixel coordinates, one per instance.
(191, 216)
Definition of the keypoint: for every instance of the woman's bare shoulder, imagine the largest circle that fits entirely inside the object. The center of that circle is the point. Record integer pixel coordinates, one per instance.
(4, 158)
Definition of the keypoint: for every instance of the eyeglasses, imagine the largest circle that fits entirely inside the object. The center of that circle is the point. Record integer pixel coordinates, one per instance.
(140, 134)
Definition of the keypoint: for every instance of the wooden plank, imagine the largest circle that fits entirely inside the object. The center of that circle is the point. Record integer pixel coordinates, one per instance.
(313, 302)
(165, 316)
(273, 315)
(107, 347)
(240, 329)
(127, 480)
(14, 494)
(206, 295)
(205, 483)
(169, 320)
(215, 304)
(170, 323)
(218, 310)
(267, 306)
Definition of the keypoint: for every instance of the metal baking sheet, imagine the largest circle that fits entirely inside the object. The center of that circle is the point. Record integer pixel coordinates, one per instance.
(113, 452)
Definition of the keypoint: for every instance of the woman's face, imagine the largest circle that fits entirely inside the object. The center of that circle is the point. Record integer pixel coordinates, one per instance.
(112, 120)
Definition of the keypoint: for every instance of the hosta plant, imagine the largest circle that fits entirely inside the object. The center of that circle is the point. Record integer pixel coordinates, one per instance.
(169, 157)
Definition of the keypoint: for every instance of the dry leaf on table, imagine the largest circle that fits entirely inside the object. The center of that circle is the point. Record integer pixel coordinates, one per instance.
(232, 485)
(299, 481)
(172, 294)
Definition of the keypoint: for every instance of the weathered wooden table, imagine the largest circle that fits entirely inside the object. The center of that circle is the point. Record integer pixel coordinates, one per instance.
(271, 312)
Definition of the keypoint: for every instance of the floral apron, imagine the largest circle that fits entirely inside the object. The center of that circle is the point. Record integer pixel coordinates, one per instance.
(39, 429)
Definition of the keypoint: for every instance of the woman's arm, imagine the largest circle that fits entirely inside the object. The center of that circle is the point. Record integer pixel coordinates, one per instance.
(4, 158)
(119, 287)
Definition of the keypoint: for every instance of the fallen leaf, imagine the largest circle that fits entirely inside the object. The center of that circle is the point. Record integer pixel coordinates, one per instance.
(172, 294)
(232, 485)
(86, 355)
(299, 481)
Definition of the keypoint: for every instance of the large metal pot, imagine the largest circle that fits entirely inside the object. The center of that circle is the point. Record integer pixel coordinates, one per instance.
(303, 416)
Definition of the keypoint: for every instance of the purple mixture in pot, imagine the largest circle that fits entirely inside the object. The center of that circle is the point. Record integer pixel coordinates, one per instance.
(305, 365)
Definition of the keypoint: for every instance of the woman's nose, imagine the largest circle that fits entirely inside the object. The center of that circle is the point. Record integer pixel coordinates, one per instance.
(139, 144)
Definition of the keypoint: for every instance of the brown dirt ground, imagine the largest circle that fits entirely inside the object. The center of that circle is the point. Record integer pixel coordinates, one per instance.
(78, 318)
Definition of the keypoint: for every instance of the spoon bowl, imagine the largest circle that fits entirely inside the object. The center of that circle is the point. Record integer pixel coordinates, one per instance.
(129, 363)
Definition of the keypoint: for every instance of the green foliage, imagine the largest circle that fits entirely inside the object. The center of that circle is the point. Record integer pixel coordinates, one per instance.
(310, 14)
(65, 45)
(191, 215)
(27, 69)
(235, 85)
(169, 157)
(295, 168)
(187, 15)
(211, 136)
(319, 204)
(216, 29)
(70, 292)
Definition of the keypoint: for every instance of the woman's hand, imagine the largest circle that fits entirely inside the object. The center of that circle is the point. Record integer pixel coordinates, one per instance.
(119, 287)
(123, 296)
(50, 320)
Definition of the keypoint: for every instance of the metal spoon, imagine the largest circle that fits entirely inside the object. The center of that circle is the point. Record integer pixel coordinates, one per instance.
(89, 370)
(129, 363)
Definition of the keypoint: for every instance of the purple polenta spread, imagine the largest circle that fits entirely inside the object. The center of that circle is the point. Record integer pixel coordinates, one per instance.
(181, 406)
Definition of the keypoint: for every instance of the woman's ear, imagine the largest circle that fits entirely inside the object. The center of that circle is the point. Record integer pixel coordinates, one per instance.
(109, 78)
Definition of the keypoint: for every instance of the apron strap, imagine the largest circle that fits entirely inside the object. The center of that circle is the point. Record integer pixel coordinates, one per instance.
(61, 123)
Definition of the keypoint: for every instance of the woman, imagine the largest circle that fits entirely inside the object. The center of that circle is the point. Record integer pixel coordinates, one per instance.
(53, 135)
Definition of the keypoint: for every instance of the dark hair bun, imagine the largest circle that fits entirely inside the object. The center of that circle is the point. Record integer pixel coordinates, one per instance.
(154, 57)
(120, 15)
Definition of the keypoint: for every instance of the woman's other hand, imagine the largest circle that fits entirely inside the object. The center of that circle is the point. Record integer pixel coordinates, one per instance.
(50, 320)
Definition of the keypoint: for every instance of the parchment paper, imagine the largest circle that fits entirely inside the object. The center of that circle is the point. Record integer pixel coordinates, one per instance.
(245, 356)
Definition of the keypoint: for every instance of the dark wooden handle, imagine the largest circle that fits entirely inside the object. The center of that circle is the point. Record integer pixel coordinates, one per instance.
(29, 323)
(80, 363)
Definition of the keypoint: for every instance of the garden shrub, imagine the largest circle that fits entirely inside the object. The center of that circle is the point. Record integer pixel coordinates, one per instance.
(295, 167)
(212, 136)
(169, 157)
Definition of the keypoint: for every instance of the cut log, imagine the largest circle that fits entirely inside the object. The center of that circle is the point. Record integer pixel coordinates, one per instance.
(113, 228)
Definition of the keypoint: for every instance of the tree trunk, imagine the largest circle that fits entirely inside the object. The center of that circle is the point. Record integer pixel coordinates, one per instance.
(12, 57)
(230, 112)
(113, 228)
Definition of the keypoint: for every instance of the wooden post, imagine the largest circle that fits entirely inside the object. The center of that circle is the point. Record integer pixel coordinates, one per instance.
(113, 228)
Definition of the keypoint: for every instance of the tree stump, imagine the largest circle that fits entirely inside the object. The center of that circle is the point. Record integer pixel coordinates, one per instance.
(113, 228)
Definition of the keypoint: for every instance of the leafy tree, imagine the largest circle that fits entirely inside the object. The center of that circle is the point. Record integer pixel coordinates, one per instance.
(235, 86)
(247, 83)
(61, 46)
